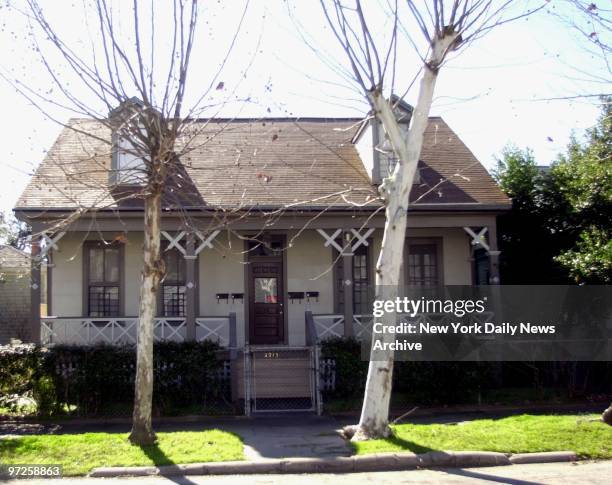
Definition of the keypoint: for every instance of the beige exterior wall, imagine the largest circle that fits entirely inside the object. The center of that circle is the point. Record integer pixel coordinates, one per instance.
(222, 270)
(309, 268)
(67, 276)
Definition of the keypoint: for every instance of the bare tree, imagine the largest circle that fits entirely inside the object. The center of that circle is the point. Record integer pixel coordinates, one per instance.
(145, 94)
(374, 53)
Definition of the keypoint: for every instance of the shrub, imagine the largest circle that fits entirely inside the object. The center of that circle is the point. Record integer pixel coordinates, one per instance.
(97, 379)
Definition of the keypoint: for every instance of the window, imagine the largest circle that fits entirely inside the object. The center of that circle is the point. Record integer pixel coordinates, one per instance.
(103, 267)
(128, 162)
(362, 304)
(174, 285)
(423, 264)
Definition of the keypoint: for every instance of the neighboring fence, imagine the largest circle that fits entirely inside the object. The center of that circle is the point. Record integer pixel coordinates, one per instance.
(123, 330)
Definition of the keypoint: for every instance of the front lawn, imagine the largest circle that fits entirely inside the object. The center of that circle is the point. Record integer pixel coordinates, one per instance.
(516, 434)
(80, 453)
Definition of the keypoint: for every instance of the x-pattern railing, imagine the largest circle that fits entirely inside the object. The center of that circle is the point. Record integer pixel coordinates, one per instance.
(329, 326)
(213, 328)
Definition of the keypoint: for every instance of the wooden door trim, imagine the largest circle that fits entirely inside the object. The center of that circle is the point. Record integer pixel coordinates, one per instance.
(281, 236)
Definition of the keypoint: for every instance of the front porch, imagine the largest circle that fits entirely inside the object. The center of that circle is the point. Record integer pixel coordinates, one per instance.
(266, 298)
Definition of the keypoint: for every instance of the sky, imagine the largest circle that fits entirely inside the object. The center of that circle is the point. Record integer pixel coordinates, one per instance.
(285, 61)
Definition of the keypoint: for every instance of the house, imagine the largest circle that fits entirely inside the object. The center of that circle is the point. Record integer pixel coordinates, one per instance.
(259, 227)
(14, 294)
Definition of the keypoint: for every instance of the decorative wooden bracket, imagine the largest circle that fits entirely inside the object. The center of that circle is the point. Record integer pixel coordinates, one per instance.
(49, 242)
(206, 240)
(361, 239)
(478, 239)
(331, 240)
(175, 242)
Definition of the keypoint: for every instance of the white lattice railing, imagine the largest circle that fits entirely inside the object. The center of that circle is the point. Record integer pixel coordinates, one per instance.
(327, 326)
(123, 330)
(213, 328)
(362, 326)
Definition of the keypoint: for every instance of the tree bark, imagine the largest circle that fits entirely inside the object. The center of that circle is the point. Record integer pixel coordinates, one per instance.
(395, 190)
(142, 429)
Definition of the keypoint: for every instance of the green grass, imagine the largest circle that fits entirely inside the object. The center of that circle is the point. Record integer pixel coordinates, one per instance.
(79, 453)
(517, 434)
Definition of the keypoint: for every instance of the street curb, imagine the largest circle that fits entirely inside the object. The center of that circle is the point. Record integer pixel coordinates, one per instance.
(359, 463)
(543, 457)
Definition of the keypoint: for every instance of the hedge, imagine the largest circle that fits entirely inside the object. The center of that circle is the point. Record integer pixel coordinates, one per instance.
(442, 383)
(98, 379)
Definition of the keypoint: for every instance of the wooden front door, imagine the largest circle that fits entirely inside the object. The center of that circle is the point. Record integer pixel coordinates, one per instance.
(266, 292)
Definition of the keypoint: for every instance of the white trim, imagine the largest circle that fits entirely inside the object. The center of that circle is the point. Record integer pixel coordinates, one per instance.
(206, 240)
(478, 239)
(361, 239)
(49, 243)
(175, 242)
(331, 240)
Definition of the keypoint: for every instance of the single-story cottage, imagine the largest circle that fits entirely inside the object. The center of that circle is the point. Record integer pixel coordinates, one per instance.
(271, 233)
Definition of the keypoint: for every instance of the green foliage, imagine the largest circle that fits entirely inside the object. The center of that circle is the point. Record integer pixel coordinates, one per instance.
(351, 370)
(591, 260)
(97, 379)
(559, 228)
(423, 383)
(13, 232)
(44, 393)
(586, 435)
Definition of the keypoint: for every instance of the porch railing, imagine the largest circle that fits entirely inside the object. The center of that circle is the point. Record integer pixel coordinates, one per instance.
(123, 330)
(332, 325)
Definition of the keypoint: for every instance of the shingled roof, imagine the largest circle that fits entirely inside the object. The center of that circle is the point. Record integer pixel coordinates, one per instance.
(257, 163)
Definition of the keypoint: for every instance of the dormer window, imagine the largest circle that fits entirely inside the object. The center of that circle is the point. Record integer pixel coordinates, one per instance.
(129, 152)
(129, 166)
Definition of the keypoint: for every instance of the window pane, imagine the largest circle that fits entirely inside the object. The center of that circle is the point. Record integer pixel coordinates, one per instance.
(96, 265)
(111, 265)
(103, 301)
(174, 301)
(422, 265)
(266, 290)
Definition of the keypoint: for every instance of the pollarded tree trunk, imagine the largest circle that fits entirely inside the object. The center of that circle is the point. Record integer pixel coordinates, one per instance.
(142, 428)
(395, 190)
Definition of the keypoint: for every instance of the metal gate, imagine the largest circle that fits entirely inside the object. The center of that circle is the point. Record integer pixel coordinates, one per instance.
(281, 379)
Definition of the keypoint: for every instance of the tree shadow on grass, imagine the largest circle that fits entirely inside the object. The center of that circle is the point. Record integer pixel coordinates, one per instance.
(402, 444)
(159, 458)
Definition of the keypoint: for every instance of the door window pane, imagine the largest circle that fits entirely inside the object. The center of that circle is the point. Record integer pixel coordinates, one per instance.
(111, 265)
(96, 265)
(266, 290)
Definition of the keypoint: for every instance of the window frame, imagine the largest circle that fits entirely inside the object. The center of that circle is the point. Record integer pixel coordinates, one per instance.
(336, 273)
(161, 309)
(422, 241)
(87, 247)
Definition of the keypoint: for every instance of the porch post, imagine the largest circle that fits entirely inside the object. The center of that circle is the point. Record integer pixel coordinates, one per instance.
(35, 292)
(191, 289)
(493, 256)
(347, 282)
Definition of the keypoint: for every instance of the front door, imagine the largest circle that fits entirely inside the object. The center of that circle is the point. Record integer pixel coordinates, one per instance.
(266, 290)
